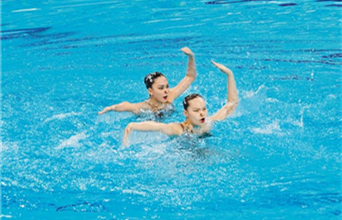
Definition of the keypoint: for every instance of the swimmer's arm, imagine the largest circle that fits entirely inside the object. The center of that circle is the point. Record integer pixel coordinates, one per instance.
(191, 75)
(226, 110)
(169, 129)
(232, 95)
(123, 107)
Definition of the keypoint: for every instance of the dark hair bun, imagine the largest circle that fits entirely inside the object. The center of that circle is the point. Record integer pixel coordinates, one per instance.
(189, 98)
(150, 78)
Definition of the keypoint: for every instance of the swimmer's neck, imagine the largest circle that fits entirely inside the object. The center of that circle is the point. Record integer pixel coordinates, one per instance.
(155, 103)
(191, 126)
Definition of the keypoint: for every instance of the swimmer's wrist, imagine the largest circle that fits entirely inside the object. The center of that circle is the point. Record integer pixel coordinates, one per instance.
(131, 125)
(228, 71)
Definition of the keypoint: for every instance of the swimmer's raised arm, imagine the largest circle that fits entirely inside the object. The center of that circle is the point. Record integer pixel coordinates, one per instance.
(232, 94)
(190, 76)
(123, 107)
(169, 129)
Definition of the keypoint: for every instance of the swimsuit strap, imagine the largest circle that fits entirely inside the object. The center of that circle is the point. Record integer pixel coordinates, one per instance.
(186, 128)
(153, 107)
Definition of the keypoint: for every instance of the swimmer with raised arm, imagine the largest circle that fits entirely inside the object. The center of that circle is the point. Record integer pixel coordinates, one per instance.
(161, 96)
(195, 111)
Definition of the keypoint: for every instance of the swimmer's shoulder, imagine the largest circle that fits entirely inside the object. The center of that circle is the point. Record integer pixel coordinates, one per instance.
(177, 128)
(138, 107)
(144, 105)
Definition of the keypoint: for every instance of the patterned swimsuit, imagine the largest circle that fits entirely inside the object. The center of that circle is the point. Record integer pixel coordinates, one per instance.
(166, 111)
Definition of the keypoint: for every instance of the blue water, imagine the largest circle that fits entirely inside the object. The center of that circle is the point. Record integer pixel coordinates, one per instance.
(277, 157)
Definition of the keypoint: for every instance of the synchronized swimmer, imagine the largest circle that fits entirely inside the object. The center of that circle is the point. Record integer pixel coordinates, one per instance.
(195, 111)
(161, 96)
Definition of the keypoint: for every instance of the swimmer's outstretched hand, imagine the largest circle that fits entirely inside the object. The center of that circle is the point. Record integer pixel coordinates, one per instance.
(187, 51)
(223, 69)
(128, 131)
(107, 109)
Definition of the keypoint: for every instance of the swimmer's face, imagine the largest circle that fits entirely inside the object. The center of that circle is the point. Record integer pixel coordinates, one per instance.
(196, 111)
(160, 89)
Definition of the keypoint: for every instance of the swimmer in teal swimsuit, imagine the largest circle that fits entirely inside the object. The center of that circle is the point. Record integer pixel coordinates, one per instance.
(161, 96)
(195, 111)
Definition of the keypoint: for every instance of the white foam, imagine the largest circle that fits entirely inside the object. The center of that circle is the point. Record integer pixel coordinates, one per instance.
(332, 96)
(129, 191)
(271, 100)
(147, 150)
(5, 216)
(268, 129)
(300, 123)
(250, 94)
(73, 141)
(27, 9)
(61, 116)
(12, 146)
(86, 4)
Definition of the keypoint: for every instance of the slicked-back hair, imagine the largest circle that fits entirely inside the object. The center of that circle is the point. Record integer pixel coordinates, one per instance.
(189, 98)
(150, 78)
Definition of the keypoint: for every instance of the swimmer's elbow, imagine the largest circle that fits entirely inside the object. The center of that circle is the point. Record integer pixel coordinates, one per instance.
(128, 107)
(191, 78)
(194, 75)
(121, 107)
(229, 109)
(231, 105)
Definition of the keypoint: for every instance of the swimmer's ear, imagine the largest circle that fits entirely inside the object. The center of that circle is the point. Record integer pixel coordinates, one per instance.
(186, 113)
(150, 91)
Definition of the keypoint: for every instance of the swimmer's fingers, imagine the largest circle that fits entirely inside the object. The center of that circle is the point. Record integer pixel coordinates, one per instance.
(125, 142)
(106, 109)
(222, 68)
(187, 51)
(128, 131)
(103, 111)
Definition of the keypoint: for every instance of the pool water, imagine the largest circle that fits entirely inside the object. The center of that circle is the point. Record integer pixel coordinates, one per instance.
(277, 157)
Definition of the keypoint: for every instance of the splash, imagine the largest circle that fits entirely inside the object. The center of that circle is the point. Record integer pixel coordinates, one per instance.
(61, 116)
(268, 129)
(73, 141)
